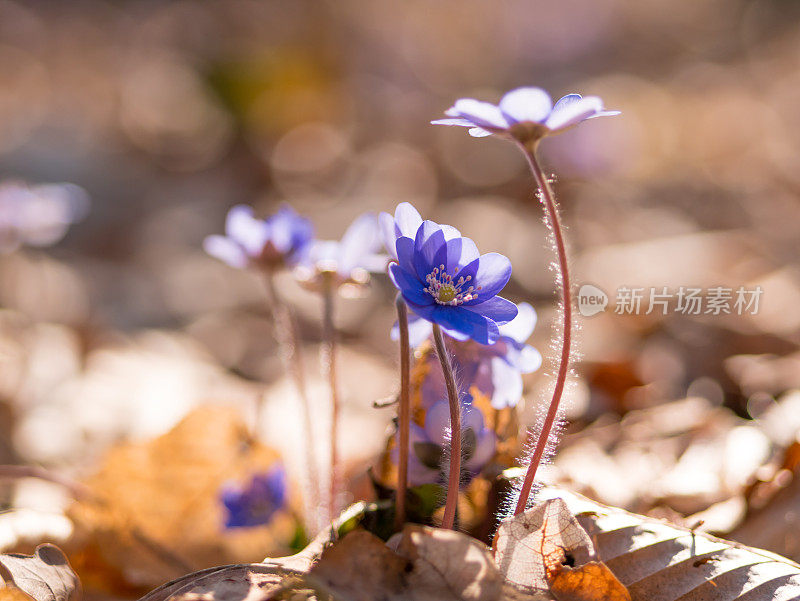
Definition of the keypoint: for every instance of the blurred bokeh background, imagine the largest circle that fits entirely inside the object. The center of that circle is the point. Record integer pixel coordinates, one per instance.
(153, 118)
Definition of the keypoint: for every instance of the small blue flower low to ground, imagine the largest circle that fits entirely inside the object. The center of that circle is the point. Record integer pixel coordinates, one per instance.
(495, 370)
(445, 280)
(429, 441)
(524, 114)
(256, 502)
(281, 240)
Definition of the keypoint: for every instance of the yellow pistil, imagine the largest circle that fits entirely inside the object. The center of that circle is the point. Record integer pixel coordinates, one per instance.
(446, 293)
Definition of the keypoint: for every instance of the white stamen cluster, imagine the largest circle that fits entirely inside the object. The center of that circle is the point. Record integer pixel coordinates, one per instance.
(446, 291)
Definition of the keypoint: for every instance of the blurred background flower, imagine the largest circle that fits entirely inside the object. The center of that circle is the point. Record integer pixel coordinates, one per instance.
(254, 503)
(280, 240)
(38, 215)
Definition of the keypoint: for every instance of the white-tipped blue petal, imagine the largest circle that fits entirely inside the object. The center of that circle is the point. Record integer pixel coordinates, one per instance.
(453, 121)
(407, 220)
(249, 232)
(485, 447)
(324, 254)
(605, 114)
(507, 384)
(574, 112)
(437, 422)
(374, 262)
(528, 360)
(477, 132)
(526, 104)
(471, 418)
(225, 250)
(361, 239)
(386, 225)
(565, 101)
(521, 327)
(450, 233)
(419, 330)
(481, 114)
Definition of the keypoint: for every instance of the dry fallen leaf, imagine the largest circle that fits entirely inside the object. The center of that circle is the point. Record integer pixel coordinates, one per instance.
(360, 567)
(155, 510)
(45, 575)
(449, 565)
(236, 582)
(658, 561)
(430, 564)
(537, 549)
(592, 581)
(526, 547)
(254, 582)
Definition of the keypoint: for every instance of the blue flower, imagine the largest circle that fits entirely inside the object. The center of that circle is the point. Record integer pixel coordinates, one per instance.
(281, 240)
(524, 114)
(257, 502)
(349, 260)
(495, 370)
(445, 280)
(428, 442)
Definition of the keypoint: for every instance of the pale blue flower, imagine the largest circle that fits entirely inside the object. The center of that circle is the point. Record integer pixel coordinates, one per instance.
(281, 240)
(429, 442)
(524, 114)
(349, 260)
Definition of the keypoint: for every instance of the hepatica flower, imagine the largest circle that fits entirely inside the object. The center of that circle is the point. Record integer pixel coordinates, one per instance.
(281, 240)
(445, 280)
(495, 370)
(345, 261)
(429, 441)
(255, 503)
(525, 114)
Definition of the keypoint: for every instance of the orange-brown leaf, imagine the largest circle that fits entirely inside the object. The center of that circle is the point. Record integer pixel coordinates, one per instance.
(592, 581)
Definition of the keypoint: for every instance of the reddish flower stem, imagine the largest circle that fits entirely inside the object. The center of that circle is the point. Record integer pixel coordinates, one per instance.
(552, 219)
(291, 356)
(329, 367)
(403, 415)
(454, 479)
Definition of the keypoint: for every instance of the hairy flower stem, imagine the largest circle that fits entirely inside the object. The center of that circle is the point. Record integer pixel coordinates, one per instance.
(290, 351)
(454, 479)
(329, 368)
(552, 219)
(403, 415)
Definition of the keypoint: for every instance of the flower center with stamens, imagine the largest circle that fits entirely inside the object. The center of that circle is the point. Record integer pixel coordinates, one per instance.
(446, 290)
